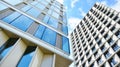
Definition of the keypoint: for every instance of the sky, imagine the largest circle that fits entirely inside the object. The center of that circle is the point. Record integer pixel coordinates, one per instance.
(77, 9)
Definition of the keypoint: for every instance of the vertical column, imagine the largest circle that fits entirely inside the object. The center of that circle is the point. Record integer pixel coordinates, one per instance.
(3, 37)
(59, 37)
(14, 55)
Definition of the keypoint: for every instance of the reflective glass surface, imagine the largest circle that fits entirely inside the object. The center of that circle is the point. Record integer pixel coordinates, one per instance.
(27, 57)
(33, 12)
(65, 29)
(40, 31)
(49, 36)
(65, 44)
(52, 22)
(5, 48)
(40, 6)
(2, 7)
(11, 17)
(22, 22)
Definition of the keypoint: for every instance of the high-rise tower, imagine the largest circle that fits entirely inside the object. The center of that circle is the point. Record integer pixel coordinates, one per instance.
(33, 33)
(96, 39)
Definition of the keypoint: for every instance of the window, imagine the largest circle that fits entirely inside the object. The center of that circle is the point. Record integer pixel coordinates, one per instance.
(111, 15)
(40, 31)
(20, 21)
(65, 29)
(33, 12)
(112, 62)
(118, 22)
(105, 22)
(115, 47)
(115, 18)
(2, 7)
(102, 31)
(99, 60)
(109, 25)
(65, 44)
(93, 49)
(107, 54)
(110, 41)
(87, 54)
(118, 33)
(106, 36)
(99, 42)
(40, 6)
(108, 13)
(89, 60)
(46, 36)
(103, 48)
(6, 47)
(27, 57)
(97, 38)
(113, 28)
(96, 54)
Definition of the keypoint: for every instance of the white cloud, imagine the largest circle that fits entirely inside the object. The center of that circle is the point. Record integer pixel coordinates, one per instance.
(104, 2)
(61, 1)
(72, 22)
(90, 2)
(82, 13)
(73, 3)
(116, 6)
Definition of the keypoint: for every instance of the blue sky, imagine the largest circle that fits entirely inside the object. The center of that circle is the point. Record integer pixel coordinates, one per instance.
(77, 9)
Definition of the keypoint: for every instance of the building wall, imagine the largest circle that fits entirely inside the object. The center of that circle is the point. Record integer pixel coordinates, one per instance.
(33, 33)
(96, 39)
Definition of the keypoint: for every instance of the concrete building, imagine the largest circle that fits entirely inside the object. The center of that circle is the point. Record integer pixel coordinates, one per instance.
(33, 33)
(96, 39)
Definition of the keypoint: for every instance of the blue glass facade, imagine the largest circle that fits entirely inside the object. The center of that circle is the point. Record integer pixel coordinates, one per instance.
(51, 18)
(4, 49)
(27, 57)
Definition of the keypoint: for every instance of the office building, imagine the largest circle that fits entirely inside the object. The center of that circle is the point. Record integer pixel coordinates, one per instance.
(96, 39)
(33, 33)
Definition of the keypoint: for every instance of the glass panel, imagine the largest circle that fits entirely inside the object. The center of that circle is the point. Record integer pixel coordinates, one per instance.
(46, 18)
(26, 8)
(11, 17)
(33, 12)
(65, 29)
(49, 36)
(34, 3)
(65, 44)
(5, 48)
(52, 22)
(22, 22)
(54, 14)
(13, 2)
(40, 31)
(27, 57)
(44, 2)
(64, 18)
(2, 7)
(40, 6)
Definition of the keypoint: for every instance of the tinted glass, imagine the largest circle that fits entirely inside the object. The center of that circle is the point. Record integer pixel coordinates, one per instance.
(27, 57)
(52, 22)
(11, 17)
(65, 44)
(5, 48)
(22, 22)
(65, 29)
(49, 36)
(40, 31)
